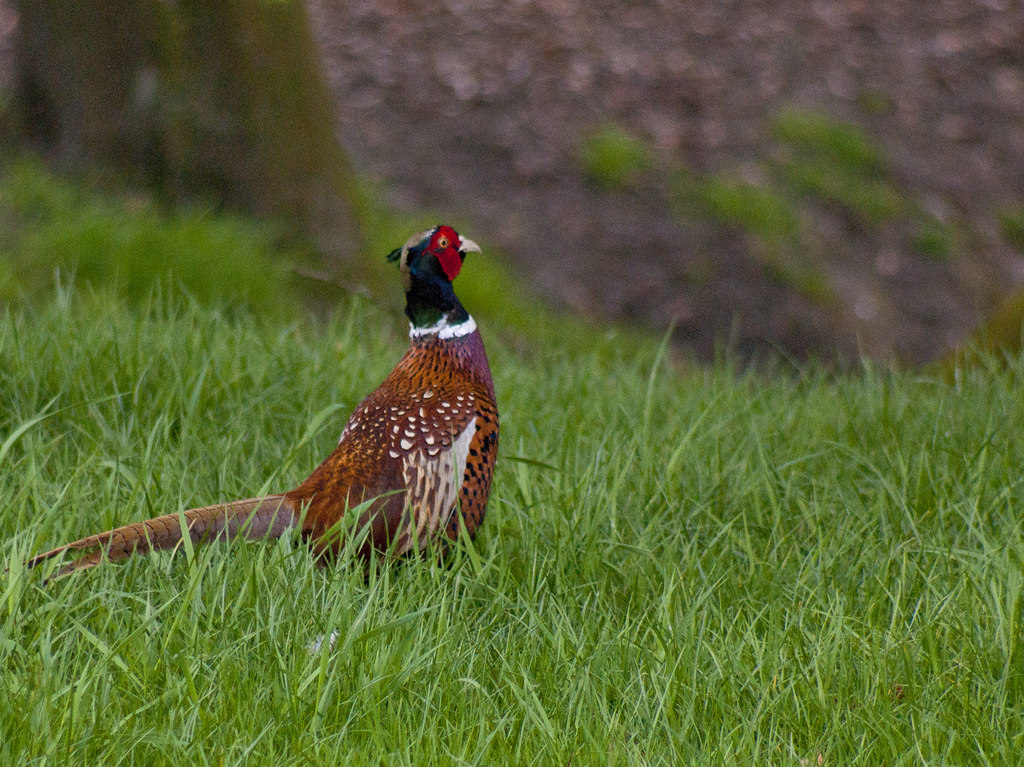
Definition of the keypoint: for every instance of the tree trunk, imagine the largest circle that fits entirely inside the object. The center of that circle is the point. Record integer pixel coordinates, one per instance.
(214, 98)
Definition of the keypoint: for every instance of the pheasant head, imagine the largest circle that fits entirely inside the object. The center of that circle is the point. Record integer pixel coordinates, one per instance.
(429, 261)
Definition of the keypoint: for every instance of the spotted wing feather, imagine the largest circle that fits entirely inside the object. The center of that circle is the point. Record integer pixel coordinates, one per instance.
(433, 482)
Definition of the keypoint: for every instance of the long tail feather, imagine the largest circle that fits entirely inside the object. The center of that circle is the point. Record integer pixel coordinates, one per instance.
(266, 517)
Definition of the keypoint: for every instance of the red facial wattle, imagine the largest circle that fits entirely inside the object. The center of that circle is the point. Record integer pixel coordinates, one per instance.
(446, 245)
(451, 262)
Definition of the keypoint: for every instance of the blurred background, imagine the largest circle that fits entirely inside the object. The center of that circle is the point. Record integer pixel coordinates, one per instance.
(829, 179)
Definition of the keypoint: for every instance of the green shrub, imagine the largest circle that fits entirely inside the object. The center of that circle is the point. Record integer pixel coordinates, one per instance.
(875, 102)
(935, 239)
(837, 163)
(758, 210)
(771, 220)
(1011, 224)
(613, 158)
(814, 134)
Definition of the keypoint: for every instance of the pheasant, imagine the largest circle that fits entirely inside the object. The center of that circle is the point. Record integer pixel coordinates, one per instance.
(414, 462)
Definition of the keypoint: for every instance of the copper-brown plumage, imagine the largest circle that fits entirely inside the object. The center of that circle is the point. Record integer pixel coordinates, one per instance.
(416, 458)
(402, 436)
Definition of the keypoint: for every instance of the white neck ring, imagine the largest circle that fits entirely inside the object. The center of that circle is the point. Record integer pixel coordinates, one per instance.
(443, 330)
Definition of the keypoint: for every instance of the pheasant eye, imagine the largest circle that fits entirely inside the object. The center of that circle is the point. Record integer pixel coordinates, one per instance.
(442, 242)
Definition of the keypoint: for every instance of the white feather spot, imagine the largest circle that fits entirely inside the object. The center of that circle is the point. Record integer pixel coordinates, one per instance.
(406, 444)
(428, 394)
(392, 453)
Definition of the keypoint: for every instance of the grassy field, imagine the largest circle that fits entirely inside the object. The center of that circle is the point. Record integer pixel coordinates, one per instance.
(677, 567)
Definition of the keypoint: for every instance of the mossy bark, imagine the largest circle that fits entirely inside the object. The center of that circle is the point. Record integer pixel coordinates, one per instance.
(218, 99)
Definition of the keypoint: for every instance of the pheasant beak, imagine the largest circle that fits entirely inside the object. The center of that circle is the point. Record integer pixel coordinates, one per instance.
(468, 246)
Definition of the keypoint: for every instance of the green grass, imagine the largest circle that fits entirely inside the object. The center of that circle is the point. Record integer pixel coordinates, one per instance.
(712, 568)
(52, 228)
(55, 230)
